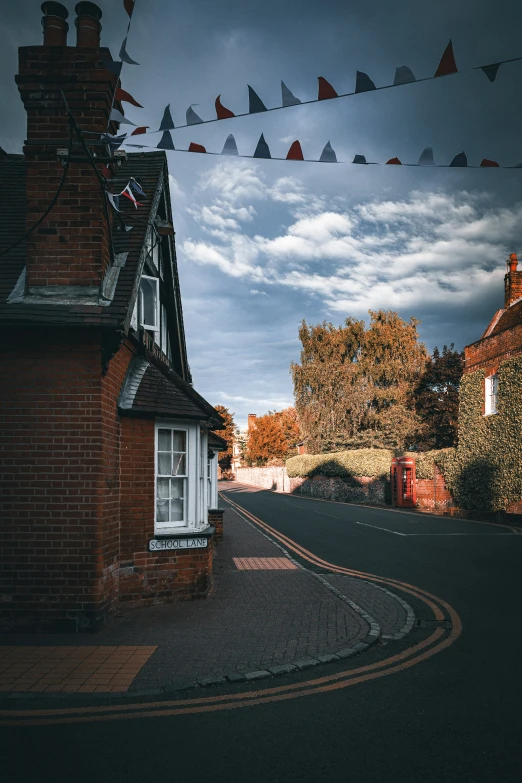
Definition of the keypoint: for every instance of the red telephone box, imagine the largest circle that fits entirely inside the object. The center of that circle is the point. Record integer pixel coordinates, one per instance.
(403, 485)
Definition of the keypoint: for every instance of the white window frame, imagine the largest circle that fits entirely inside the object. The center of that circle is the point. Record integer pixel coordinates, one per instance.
(196, 503)
(160, 527)
(491, 395)
(150, 327)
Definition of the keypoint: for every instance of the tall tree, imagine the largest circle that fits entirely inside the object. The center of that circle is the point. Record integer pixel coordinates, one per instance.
(437, 399)
(274, 436)
(354, 386)
(227, 433)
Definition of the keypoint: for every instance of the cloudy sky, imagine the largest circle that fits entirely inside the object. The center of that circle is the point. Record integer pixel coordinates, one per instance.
(263, 244)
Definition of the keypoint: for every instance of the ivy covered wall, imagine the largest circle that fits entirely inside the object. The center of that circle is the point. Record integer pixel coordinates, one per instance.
(485, 470)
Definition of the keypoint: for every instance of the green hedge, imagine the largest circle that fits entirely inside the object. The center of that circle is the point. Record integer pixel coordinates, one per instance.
(343, 464)
(424, 461)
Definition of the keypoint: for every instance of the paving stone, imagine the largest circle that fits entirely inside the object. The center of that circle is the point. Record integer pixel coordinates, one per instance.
(236, 677)
(346, 653)
(284, 668)
(208, 682)
(306, 663)
(328, 658)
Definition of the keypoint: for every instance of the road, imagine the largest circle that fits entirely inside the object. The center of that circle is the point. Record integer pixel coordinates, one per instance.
(453, 714)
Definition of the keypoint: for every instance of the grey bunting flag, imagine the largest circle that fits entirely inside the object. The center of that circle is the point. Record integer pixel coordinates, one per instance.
(403, 75)
(288, 97)
(359, 159)
(115, 200)
(192, 117)
(117, 116)
(167, 123)
(328, 154)
(230, 146)
(124, 56)
(426, 157)
(491, 71)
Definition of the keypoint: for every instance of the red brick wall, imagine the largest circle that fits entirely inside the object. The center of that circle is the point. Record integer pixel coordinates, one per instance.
(147, 578)
(432, 494)
(215, 519)
(487, 354)
(71, 246)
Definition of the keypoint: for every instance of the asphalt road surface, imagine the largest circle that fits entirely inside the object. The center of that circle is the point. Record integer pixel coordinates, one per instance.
(440, 705)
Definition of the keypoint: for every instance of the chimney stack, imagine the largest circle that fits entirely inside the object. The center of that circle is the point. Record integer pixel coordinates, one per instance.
(88, 27)
(251, 421)
(68, 254)
(55, 27)
(512, 282)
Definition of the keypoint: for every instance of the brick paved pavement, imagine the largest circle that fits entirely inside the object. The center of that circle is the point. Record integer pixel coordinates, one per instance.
(254, 618)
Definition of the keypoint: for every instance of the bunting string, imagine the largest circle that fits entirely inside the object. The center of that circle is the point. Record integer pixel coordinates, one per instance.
(363, 83)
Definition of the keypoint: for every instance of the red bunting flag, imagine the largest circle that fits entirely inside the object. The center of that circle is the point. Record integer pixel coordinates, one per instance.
(129, 6)
(128, 194)
(326, 90)
(140, 130)
(196, 147)
(222, 112)
(447, 63)
(489, 163)
(295, 152)
(394, 162)
(123, 95)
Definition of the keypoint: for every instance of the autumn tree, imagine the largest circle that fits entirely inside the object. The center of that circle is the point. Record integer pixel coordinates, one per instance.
(437, 399)
(227, 433)
(273, 436)
(354, 386)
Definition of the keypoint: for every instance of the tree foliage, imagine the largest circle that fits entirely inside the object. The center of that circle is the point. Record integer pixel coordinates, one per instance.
(227, 433)
(437, 399)
(354, 386)
(273, 437)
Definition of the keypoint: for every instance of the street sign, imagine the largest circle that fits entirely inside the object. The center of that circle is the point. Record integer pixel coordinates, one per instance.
(177, 543)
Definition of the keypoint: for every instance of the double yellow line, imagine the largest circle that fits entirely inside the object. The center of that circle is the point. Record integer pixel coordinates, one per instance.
(439, 640)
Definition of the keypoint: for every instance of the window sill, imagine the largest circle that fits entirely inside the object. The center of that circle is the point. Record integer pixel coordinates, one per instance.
(493, 413)
(184, 532)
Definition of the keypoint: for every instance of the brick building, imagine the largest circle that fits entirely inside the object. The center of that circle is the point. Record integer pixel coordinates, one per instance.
(108, 463)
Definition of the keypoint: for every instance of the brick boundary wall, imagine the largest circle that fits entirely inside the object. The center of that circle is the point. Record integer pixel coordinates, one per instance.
(215, 519)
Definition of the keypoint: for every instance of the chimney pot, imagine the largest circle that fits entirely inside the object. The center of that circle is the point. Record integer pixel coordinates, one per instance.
(513, 262)
(88, 27)
(54, 24)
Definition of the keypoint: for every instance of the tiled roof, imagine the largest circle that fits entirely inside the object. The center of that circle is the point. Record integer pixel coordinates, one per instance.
(512, 316)
(151, 390)
(148, 169)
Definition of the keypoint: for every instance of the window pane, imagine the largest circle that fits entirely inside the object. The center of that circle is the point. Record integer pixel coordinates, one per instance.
(177, 487)
(164, 440)
(162, 510)
(176, 510)
(164, 464)
(163, 345)
(163, 488)
(179, 465)
(179, 438)
(148, 302)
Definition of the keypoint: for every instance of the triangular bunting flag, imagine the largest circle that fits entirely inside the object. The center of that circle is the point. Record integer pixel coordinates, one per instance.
(129, 6)
(167, 123)
(192, 117)
(106, 172)
(326, 90)
(459, 160)
(196, 147)
(295, 152)
(394, 162)
(123, 95)
(363, 83)
(288, 97)
(447, 63)
(117, 116)
(114, 142)
(230, 146)
(124, 56)
(114, 66)
(426, 157)
(222, 112)
(491, 71)
(359, 159)
(136, 187)
(127, 192)
(489, 164)
(328, 154)
(140, 130)
(403, 75)
(255, 104)
(114, 200)
(262, 150)
(166, 142)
